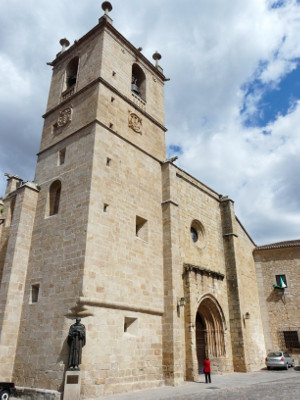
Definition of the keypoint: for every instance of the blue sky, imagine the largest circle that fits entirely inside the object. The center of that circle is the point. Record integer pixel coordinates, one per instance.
(232, 102)
(275, 99)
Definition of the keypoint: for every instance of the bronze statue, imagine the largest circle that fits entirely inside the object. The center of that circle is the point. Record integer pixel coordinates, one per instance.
(76, 340)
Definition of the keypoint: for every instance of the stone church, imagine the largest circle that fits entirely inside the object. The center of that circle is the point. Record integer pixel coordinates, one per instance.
(155, 263)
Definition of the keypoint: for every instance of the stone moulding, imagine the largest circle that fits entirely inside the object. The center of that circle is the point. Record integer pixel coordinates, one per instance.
(83, 306)
(279, 245)
(169, 202)
(68, 93)
(84, 301)
(100, 80)
(202, 271)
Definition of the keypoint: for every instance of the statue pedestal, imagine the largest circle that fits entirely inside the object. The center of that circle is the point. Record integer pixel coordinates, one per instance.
(72, 385)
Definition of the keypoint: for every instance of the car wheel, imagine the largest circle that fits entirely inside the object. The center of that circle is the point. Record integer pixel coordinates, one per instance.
(4, 395)
(269, 367)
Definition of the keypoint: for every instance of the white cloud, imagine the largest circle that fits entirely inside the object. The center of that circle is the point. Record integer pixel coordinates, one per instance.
(13, 81)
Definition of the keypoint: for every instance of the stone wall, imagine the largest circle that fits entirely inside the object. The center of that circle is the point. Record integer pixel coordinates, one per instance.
(249, 302)
(14, 274)
(199, 206)
(56, 265)
(280, 307)
(123, 274)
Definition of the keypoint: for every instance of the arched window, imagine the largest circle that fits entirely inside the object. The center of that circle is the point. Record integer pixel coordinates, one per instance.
(138, 81)
(54, 197)
(71, 73)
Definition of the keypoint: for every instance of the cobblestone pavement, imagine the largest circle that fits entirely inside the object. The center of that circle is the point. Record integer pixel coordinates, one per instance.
(290, 389)
(263, 385)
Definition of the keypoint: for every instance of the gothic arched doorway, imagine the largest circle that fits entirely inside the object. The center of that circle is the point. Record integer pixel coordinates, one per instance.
(209, 331)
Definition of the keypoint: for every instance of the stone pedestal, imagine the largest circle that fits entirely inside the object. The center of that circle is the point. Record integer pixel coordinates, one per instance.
(72, 385)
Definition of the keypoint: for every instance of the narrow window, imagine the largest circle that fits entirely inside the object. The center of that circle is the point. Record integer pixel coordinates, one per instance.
(71, 73)
(105, 206)
(61, 156)
(131, 325)
(138, 81)
(141, 228)
(54, 197)
(35, 293)
(108, 160)
(12, 208)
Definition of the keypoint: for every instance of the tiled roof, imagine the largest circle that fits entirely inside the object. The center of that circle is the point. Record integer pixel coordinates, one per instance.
(279, 245)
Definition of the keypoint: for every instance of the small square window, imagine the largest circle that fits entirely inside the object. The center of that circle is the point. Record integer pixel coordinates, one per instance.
(141, 228)
(131, 325)
(35, 289)
(281, 281)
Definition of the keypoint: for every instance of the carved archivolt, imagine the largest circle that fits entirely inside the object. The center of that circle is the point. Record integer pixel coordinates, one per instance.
(65, 117)
(135, 122)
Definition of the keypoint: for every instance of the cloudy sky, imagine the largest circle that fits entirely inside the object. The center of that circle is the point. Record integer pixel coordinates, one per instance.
(232, 104)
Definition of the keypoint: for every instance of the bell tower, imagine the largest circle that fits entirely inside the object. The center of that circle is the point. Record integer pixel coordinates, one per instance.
(103, 79)
(96, 249)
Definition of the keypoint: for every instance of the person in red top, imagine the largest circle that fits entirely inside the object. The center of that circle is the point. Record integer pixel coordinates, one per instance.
(206, 369)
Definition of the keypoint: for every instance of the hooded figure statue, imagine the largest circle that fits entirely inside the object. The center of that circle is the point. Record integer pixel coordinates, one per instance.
(76, 340)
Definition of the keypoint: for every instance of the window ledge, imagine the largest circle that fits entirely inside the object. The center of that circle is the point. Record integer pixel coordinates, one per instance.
(68, 93)
(141, 239)
(139, 101)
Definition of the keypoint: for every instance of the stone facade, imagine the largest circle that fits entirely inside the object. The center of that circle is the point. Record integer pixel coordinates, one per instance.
(280, 306)
(154, 262)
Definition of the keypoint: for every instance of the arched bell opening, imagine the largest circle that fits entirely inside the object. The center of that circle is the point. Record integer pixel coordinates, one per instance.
(209, 331)
(138, 81)
(71, 73)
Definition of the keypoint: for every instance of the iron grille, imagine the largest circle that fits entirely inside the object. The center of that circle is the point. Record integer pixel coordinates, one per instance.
(291, 339)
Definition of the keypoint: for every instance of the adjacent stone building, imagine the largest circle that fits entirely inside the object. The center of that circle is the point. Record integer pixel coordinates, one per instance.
(155, 263)
(279, 263)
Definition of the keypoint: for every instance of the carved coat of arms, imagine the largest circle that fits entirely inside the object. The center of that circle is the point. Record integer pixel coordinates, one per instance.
(65, 116)
(135, 122)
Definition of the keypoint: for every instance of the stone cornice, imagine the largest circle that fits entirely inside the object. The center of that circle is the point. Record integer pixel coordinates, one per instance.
(97, 122)
(102, 25)
(114, 90)
(84, 301)
(202, 271)
(169, 202)
(279, 245)
(196, 183)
